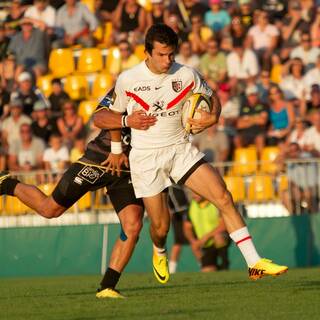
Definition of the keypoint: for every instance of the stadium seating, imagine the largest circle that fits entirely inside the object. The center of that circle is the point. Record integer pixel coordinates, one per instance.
(245, 161)
(112, 57)
(44, 84)
(13, 206)
(61, 62)
(268, 156)
(77, 87)
(107, 37)
(101, 85)
(90, 60)
(86, 109)
(261, 189)
(139, 51)
(237, 187)
(89, 4)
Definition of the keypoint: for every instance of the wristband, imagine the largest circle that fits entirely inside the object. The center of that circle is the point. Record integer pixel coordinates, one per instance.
(116, 147)
(123, 121)
(126, 121)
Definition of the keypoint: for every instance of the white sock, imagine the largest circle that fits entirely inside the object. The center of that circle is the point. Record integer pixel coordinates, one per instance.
(244, 242)
(160, 251)
(172, 266)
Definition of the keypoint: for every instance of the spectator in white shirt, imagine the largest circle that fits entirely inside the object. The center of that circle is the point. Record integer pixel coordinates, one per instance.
(312, 136)
(186, 56)
(306, 52)
(293, 85)
(312, 77)
(263, 37)
(42, 15)
(56, 157)
(242, 64)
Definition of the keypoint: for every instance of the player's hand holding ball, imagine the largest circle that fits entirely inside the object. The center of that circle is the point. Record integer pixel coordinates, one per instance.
(197, 114)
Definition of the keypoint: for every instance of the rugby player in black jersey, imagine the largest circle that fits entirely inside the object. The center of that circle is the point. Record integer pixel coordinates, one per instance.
(88, 174)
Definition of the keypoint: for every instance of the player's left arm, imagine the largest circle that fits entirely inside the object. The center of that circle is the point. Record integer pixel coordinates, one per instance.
(208, 119)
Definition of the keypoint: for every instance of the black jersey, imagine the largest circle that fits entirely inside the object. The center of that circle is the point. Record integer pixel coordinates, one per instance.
(99, 148)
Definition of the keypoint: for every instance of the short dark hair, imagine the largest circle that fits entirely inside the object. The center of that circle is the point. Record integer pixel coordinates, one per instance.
(162, 33)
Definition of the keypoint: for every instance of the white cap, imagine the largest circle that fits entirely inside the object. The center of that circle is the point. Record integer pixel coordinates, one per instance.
(24, 76)
(252, 89)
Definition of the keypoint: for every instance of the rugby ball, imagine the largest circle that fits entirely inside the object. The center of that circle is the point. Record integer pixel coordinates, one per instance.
(191, 107)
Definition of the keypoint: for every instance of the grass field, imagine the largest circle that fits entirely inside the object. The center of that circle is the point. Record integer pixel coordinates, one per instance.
(223, 295)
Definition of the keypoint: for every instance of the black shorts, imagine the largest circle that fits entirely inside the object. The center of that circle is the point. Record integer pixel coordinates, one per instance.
(209, 256)
(178, 234)
(81, 178)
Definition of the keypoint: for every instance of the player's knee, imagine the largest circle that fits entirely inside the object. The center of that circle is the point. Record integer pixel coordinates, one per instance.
(161, 230)
(133, 229)
(51, 212)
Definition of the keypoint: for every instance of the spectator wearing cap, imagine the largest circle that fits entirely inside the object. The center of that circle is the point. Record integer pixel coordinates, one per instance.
(29, 48)
(186, 57)
(55, 157)
(306, 52)
(42, 15)
(217, 18)
(230, 108)
(159, 13)
(78, 24)
(199, 34)
(281, 116)
(57, 97)
(246, 13)
(242, 65)
(213, 64)
(252, 122)
(25, 92)
(263, 37)
(42, 126)
(25, 154)
(11, 126)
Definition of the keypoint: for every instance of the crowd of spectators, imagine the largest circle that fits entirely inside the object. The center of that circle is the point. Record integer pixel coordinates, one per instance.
(262, 58)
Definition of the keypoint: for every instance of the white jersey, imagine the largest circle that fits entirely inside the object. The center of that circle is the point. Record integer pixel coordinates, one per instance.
(161, 95)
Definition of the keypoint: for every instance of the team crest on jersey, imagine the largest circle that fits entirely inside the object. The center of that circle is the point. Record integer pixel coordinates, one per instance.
(177, 85)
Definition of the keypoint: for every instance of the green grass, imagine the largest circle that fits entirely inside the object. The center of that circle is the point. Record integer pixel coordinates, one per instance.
(223, 295)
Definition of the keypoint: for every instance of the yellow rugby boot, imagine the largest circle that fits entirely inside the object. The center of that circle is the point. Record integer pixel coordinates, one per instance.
(265, 267)
(160, 267)
(109, 293)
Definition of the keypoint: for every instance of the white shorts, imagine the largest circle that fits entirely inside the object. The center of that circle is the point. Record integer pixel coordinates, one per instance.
(151, 169)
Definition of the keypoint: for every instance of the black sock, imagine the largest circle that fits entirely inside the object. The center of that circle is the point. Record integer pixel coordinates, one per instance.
(110, 279)
(8, 186)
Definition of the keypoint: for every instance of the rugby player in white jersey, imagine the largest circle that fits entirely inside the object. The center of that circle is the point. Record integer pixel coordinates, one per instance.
(159, 86)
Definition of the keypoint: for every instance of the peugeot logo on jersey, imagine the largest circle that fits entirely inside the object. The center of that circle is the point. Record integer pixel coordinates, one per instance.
(158, 106)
